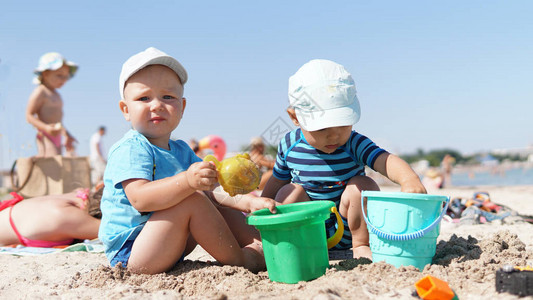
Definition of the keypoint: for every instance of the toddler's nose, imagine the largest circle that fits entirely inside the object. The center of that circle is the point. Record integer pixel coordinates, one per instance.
(333, 132)
(156, 104)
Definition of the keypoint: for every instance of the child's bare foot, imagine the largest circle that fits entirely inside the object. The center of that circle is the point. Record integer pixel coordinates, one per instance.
(362, 251)
(254, 259)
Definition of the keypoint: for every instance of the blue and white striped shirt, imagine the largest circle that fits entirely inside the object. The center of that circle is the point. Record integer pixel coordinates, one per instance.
(323, 175)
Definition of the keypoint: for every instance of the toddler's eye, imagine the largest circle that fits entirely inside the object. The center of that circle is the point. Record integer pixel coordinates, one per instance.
(145, 98)
(169, 97)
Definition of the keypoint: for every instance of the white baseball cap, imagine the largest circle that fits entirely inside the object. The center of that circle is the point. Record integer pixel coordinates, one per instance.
(323, 95)
(52, 61)
(150, 56)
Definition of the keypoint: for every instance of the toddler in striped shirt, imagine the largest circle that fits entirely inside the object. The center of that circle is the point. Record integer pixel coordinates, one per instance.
(325, 159)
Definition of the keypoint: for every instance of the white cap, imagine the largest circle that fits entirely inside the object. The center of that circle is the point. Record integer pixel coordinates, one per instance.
(150, 56)
(323, 95)
(257, 141)
(53, 61)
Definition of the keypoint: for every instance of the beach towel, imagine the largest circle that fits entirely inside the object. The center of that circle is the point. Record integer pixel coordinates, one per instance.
(93, 246)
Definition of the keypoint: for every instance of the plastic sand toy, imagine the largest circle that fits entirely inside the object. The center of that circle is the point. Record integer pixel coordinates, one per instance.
(294, 239)
(238, 174)
(432, 288)
(515, 280)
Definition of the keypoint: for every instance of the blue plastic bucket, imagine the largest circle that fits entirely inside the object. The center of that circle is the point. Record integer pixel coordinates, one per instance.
(403, 227)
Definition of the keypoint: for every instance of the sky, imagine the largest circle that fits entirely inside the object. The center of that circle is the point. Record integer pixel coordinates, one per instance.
(429, 74)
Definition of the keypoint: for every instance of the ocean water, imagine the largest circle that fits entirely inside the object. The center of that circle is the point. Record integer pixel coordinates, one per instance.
(513, 176)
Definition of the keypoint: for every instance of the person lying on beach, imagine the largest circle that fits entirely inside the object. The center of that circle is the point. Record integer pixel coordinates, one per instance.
(158, 201)
(324, 159)
(45, 106)
(49, 221)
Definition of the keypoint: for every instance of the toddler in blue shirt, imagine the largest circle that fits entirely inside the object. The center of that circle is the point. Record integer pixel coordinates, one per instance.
(158, 202)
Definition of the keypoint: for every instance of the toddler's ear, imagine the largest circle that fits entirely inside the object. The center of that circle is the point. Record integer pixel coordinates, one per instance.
(292, 115)
(124, 109)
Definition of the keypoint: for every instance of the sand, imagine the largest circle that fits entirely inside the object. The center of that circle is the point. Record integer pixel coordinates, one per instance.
(467, 258)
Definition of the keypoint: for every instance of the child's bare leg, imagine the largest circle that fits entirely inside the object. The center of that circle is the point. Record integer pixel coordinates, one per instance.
(291, 193)
(49, 148)
(164, 237)
(40, 147)
(244, 234)
(264, 179)
(247, 237)
(350, 207)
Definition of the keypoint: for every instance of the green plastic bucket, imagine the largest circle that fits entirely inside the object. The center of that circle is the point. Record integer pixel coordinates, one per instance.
(294, 240)
(403, 227)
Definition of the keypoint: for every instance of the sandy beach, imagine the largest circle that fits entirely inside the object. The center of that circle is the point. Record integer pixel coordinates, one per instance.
(467, 258)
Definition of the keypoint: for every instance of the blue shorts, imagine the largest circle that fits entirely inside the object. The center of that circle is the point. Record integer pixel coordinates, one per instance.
(123, 255)
(331, 228)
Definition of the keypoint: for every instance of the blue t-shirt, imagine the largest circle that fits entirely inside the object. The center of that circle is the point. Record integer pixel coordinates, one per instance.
(323, 175)
(135, 157)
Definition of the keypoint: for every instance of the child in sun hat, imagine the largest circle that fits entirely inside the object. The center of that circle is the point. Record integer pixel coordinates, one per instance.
(158, 201)
(325, 159)
(45, 106)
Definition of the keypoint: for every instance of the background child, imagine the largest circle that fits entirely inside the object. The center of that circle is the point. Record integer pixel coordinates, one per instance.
(45, 106)
(265, 164)
(324, 159)
(157, 202)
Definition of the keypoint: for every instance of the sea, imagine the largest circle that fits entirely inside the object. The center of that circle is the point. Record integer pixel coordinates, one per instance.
(494, 176)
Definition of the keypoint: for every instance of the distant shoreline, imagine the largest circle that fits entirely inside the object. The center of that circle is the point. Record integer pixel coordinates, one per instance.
(492, 167)
(503, 174)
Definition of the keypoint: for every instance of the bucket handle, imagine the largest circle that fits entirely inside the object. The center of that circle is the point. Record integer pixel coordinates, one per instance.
(337, 237)
(405, 236)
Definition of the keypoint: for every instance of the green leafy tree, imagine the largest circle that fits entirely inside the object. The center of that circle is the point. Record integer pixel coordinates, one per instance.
(434, 157)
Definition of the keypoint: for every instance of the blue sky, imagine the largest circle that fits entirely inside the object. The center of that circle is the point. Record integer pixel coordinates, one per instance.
(429, 74)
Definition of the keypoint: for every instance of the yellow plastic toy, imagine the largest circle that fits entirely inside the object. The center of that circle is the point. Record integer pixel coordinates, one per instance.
(238, 174)
(337, 237)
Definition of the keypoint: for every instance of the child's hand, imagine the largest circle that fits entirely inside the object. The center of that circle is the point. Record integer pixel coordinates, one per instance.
(414, 186)
(202, 176)
(53, 130)
(258, 203)
(69, 144)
